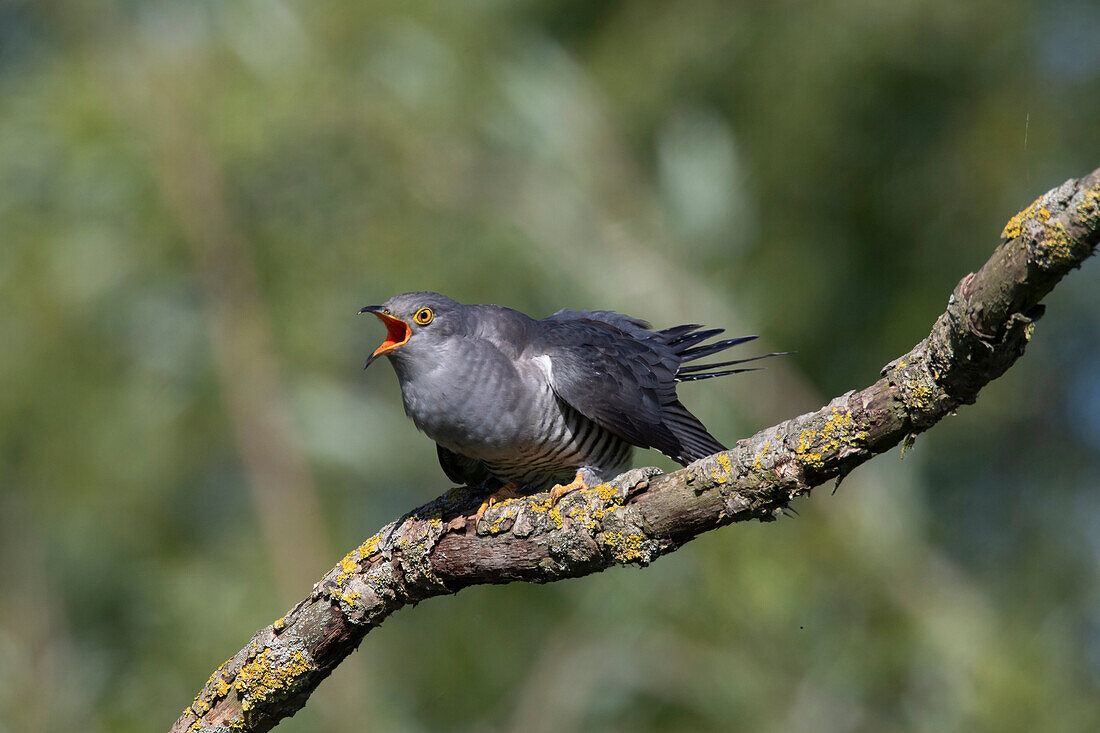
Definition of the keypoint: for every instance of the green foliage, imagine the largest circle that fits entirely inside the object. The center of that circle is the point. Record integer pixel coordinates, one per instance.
(195, 198)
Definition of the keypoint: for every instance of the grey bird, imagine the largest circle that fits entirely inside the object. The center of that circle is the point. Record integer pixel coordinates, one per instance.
(519, 404)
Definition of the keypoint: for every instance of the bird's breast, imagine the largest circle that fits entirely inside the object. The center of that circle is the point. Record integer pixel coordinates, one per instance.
(477, 402)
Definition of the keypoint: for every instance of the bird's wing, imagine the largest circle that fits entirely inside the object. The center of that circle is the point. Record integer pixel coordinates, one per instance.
(623, 380)
(462, 469)
(626, 324)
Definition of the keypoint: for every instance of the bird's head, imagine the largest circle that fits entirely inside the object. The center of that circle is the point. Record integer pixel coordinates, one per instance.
(414, 321)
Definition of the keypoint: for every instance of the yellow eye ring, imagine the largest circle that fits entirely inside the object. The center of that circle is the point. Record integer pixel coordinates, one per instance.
(424, 316)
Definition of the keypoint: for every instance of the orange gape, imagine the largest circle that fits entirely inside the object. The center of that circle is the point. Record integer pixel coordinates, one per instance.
(397, 333)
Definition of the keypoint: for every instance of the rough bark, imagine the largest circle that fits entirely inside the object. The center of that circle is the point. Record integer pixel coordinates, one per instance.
(641, 515)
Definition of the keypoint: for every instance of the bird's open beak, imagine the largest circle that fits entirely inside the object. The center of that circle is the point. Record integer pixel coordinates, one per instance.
(397, 332)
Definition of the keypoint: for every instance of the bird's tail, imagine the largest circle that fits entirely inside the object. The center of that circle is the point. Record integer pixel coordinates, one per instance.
(684, 340)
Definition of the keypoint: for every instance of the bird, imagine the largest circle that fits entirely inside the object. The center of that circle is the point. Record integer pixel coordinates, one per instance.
(518, 405)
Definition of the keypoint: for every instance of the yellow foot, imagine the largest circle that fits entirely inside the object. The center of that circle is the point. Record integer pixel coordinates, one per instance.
(508, 491)
(559, 491)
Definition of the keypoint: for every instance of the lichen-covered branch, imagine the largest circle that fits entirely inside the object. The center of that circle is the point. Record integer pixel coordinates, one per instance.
(641, 515)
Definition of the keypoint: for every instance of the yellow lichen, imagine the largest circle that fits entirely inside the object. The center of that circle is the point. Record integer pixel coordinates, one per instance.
(541, 505)
(261, 679)
(624, 548)
(607, 492)
(805, 443)
(1089, 208)
(545, 505)
(726, 465)
(1015, 225)
(918, 393)
(350, 563)
(1053, 244)
(763, 451)
(215, 689)
(605, 500)
(221, 687)
(497, 525)
(1056, 245)
(837, 432)
(367, 548)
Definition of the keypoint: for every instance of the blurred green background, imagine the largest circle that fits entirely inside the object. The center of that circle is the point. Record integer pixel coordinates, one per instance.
(196, 197)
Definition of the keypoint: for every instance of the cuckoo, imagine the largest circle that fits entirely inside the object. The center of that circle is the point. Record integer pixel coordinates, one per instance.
(516, 404)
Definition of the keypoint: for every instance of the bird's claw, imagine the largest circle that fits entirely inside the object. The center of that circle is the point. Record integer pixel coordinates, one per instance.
(508, 491)
(559, 491)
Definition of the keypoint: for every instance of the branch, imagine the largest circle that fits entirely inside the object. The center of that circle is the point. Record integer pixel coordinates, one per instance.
(634, 519)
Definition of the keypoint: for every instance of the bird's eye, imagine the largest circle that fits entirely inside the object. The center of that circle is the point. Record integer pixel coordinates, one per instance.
(424, 316)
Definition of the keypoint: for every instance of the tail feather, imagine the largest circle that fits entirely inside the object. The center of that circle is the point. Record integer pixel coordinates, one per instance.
(709, 375)
(685, 341)
(695, 441)
(700, 351)
(703, 367)
(669, 335)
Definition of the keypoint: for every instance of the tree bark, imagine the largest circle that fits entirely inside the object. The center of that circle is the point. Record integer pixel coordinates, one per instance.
(641, 515)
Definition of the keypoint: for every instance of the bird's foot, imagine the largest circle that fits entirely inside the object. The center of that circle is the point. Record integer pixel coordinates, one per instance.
(559, 491)
(508, 491)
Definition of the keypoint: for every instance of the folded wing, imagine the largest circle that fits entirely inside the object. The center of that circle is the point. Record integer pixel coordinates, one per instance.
(620, 375)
